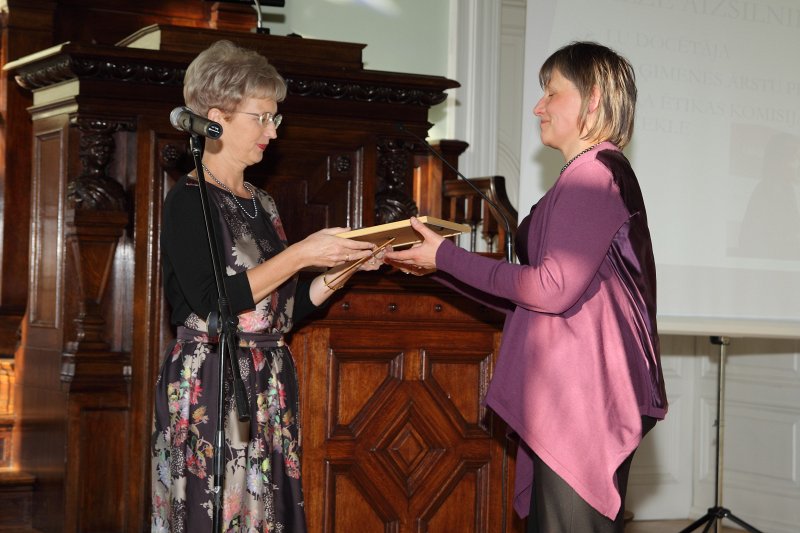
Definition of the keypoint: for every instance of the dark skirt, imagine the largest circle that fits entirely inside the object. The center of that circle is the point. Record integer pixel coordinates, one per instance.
(556, 506)
(262, 490)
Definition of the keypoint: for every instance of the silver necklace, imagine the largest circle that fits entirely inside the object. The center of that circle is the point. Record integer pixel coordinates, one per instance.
(574, 158)
(235, 199)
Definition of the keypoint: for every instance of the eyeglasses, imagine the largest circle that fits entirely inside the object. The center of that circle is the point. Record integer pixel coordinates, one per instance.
(265, 118)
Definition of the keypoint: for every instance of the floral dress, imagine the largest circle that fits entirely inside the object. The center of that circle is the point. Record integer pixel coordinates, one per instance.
(262, 490)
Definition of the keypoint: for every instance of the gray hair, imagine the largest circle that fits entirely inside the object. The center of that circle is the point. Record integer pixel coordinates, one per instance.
(225, 74)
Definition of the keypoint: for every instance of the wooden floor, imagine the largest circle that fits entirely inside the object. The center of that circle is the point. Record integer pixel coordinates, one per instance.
(672, 526)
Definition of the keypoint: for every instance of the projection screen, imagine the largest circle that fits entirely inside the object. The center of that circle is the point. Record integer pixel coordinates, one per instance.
(716, 148)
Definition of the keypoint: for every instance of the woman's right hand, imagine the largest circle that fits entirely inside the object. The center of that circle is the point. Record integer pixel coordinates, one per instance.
(420, 259)
(320, 249)
(324, 249)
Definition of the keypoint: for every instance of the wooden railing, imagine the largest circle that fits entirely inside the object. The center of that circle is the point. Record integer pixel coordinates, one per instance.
(461, 203)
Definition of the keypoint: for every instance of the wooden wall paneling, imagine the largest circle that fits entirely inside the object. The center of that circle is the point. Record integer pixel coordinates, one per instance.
(6, 411)
(24, 29)
(98, 475)
(41, 402)
(78, 217)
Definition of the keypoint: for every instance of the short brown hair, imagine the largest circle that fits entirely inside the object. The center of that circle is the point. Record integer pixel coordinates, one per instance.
(588, 65)
(224, 74)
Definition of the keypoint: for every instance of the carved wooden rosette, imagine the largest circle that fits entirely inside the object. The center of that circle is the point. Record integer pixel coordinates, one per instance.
(176, 160)
(96, 219)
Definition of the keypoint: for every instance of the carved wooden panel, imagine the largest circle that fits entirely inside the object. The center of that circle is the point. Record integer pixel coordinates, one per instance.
(315, 185)
(395, 435)
(99, 482)
(48, 198)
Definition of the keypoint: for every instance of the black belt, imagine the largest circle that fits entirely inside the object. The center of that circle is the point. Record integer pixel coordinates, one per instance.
(257, 340)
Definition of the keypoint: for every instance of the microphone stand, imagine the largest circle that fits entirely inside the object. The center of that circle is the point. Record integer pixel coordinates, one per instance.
(509, 245)
(223, 323)
(715, 514)
(259, 22)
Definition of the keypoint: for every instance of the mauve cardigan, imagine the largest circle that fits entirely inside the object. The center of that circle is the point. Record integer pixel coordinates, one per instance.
(579, 360)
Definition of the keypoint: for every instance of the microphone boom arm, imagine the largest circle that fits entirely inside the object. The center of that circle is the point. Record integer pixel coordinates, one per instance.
(508, 240)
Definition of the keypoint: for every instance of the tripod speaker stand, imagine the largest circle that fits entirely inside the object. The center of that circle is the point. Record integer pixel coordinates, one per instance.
(715, 514)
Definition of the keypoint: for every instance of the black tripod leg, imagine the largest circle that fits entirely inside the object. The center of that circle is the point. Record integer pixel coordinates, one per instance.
(709, 517)
(742, 523)
(718, 513)
(711, 522)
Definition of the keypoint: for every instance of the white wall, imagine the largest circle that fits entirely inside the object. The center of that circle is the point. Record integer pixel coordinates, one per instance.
(660, 484)
(762, 429)
(401, 35)
(412, 36)
(673, 473)
(478, 43)
(510, 97)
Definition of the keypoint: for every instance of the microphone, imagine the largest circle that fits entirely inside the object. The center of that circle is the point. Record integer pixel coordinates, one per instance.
(495, 208)
(184, 119)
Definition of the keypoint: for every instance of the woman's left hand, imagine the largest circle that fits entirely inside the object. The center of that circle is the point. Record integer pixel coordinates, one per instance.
(375, 262)
(420, 259)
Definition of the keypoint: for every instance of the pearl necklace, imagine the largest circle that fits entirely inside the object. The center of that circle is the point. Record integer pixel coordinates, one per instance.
(235, 199)
(576, 157)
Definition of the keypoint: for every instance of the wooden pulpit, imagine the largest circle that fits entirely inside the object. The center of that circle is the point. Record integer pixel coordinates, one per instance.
(393, 372)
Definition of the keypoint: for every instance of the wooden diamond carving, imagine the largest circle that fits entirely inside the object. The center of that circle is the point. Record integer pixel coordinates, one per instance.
(410, 449)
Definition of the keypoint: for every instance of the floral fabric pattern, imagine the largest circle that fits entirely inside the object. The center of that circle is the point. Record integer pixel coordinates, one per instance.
(261, 478)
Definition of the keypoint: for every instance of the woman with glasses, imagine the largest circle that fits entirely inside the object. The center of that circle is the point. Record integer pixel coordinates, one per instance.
(240, 90)
(578, 377)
